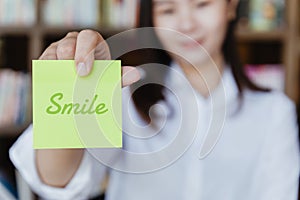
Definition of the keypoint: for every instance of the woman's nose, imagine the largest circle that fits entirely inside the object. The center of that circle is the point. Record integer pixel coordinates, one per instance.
(186, 22)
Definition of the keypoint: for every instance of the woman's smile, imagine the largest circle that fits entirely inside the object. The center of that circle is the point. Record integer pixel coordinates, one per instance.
(192, 44)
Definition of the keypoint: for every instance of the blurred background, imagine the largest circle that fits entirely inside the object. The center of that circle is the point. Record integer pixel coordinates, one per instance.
(268, 35)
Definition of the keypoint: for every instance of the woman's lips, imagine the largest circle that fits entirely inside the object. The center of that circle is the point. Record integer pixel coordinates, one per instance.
(192, 44)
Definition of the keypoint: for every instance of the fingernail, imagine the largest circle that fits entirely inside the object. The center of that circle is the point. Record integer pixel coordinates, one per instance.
(142, 72)
(131, 76)
(81, 69)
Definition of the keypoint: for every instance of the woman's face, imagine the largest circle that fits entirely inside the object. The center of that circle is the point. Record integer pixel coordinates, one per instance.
(205, 21)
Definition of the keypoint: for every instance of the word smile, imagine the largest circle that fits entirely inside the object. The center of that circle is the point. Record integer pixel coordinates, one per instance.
(87, 107)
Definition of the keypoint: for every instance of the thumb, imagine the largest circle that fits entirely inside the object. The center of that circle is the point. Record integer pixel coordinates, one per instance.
(85, 67)
(130, 75)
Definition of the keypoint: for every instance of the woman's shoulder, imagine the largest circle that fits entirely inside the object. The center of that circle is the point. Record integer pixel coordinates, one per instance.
(275, 95)
(273, 102)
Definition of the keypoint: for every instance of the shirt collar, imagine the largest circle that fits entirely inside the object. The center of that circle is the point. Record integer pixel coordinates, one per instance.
(223, 94)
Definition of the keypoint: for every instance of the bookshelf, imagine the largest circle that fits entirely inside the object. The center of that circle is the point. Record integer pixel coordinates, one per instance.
(26, 41)
(292, 50)
(42, 28)
(279, 45)
(245, 34)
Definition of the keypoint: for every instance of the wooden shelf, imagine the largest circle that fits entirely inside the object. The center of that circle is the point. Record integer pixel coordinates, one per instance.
(16, 30)
(298, 46)
(248, 35)
(49, 30)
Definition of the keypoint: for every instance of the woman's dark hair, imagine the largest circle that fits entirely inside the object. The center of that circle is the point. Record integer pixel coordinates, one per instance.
(147, 95)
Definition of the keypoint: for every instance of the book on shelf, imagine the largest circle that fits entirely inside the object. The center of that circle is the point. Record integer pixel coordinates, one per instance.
(14, 98)
(266, 15)
(79, 13)
(17, 12)
(119, 13)
(267, 75)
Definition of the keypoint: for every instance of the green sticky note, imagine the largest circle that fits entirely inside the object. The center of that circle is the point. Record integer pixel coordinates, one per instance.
(70, 111)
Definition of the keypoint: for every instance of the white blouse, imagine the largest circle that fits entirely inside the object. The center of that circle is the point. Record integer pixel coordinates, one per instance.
(196, 148)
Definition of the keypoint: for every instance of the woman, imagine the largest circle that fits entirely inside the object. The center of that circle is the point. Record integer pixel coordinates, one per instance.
(256, 156)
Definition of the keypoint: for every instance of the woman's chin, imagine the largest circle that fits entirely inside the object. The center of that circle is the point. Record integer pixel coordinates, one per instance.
(195, 58)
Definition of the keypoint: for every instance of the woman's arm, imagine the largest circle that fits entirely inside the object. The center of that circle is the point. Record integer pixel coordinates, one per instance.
(56, 167)
(278, 168)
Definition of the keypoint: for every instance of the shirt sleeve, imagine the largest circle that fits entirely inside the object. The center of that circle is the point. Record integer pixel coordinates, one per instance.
(84, 184)
(277, 172)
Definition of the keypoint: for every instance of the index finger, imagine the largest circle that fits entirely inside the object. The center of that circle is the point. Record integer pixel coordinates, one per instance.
(88, 44)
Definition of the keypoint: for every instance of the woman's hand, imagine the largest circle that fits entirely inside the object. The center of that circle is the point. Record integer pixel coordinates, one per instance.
(56, 167)
(85, 47)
